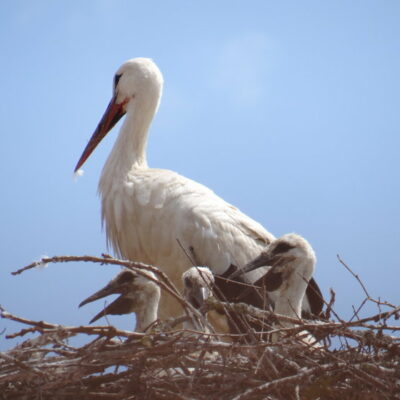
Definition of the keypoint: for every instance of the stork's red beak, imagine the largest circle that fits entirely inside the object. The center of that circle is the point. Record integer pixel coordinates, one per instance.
(112, 115)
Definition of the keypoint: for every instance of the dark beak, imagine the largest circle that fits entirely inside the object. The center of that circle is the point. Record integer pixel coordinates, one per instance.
(112, 115)
(263, 260)
(273, 279)
(197, 297)
(106, 291)
(122, 305)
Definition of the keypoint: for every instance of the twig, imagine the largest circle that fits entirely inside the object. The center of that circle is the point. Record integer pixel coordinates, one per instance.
(355, 276)
(185, 364)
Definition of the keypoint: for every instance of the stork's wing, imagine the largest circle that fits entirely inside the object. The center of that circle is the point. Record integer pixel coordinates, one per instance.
(147, 215)
(315, 299)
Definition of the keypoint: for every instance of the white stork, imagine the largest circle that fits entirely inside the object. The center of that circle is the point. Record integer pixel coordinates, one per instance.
(139, 295)
(146, 211)
(198, 283)
(292, 262)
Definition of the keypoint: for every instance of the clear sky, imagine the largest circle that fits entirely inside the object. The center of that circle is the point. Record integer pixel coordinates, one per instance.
(288, 110)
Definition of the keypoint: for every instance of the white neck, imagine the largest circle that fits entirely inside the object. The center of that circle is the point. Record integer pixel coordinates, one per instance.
(129, 150)
(147, 315)
(290, 298)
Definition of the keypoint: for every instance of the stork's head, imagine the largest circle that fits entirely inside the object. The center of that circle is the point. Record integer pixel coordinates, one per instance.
(287, 256)
(137, 83)
(138, 78)
(197, 285)
(137, 292)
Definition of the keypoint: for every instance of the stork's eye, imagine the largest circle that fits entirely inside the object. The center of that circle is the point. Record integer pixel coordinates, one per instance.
(116, 80)
(282, 248)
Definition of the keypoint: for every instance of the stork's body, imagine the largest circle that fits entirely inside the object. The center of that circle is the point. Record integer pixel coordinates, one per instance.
(152, 210)
(146, 211)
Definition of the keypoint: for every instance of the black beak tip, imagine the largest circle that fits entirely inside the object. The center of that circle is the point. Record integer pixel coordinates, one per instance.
(97, 316)
(82, 303)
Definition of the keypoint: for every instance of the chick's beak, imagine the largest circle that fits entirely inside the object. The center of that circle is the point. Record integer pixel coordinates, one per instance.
(105, 291)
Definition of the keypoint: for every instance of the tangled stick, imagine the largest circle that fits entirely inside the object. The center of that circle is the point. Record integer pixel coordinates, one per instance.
(170, 363)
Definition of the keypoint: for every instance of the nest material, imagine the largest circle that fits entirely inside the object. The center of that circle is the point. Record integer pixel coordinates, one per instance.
(356, 360)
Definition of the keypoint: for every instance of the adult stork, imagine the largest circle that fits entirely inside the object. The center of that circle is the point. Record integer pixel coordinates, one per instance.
(146, 211)
(139, 294)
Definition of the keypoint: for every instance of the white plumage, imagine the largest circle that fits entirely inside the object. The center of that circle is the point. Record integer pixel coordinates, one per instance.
(198, 283)
(146, 210)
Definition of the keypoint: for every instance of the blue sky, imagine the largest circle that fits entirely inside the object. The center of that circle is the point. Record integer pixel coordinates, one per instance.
(289, 110)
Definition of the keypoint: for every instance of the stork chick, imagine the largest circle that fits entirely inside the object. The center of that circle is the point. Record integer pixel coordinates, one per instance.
(197, 285)
(197, 288)
(292, 262)
(200, 283)
(139, 295)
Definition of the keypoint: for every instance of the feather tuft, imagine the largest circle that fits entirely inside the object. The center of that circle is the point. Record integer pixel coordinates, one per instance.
(41, 264)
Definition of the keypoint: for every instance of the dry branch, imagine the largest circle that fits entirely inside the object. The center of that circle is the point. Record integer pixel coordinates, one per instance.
(169, 363)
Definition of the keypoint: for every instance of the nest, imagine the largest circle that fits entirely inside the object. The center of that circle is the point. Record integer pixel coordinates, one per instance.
(356, 359)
